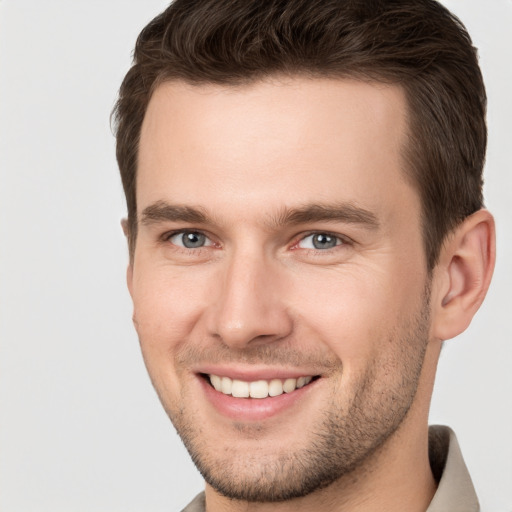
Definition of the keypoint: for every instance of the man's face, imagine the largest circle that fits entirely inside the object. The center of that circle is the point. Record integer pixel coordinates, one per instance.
(279, 240)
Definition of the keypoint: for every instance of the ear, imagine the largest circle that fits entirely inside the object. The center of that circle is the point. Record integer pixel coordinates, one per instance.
(129, 282)
(124, 225)
(463, 274)
(129, 270)
(129, 278)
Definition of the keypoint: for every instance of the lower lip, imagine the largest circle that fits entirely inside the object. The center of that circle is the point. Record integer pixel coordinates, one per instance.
(253, 409)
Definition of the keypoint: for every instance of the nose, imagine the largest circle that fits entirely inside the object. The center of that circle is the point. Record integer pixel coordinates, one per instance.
(250, 307)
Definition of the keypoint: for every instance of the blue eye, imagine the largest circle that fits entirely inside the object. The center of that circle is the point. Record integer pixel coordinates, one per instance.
(190, 239)
(319, 241)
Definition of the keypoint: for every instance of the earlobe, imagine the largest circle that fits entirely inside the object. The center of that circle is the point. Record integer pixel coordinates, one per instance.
(463, 274)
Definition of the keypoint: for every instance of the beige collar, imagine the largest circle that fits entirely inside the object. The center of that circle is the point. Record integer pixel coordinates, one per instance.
(455, 492)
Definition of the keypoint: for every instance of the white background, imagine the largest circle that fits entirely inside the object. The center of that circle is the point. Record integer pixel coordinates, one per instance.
(80, 426)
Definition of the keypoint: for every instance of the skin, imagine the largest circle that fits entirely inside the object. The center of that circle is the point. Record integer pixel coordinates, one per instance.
(364, 316)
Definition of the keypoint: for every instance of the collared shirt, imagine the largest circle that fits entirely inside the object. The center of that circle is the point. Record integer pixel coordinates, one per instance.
(455, 491)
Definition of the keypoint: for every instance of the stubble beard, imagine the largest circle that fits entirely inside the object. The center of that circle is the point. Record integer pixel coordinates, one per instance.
(343, 441)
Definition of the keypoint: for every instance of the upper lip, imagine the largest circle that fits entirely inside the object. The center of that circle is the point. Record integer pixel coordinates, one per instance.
(254, 373)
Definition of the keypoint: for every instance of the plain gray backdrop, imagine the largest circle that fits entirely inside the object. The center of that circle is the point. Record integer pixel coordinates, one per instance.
(81, 428)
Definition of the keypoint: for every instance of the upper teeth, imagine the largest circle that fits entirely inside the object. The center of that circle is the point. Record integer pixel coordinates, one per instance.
(258, 388)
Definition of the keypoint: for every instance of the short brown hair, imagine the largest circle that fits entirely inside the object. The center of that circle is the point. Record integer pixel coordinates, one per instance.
(416, 44)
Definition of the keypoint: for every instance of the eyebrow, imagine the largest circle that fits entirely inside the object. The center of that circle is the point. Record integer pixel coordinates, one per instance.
(339, 212)
(162, 211)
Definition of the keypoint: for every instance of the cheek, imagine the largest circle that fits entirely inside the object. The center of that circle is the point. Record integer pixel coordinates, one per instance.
(354, 312)
(167, 307)
(166, 311)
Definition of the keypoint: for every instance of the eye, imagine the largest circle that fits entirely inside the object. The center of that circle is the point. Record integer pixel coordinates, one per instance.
(319, 241)
(190, 239)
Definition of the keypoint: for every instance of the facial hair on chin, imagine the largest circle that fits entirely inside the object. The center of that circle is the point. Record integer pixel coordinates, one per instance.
(343, 439)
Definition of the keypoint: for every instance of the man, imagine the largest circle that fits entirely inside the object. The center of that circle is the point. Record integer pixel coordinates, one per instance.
(306, 227)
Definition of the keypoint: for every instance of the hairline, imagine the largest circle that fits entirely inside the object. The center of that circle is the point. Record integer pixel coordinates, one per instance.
(407, 167)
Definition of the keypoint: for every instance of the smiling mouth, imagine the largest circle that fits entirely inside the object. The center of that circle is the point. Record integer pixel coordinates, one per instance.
(259, 388)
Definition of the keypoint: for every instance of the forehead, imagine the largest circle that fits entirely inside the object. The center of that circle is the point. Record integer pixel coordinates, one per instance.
(272, 142)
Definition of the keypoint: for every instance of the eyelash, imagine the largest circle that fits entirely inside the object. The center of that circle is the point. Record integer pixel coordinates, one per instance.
(341, 241)
(166, 239)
